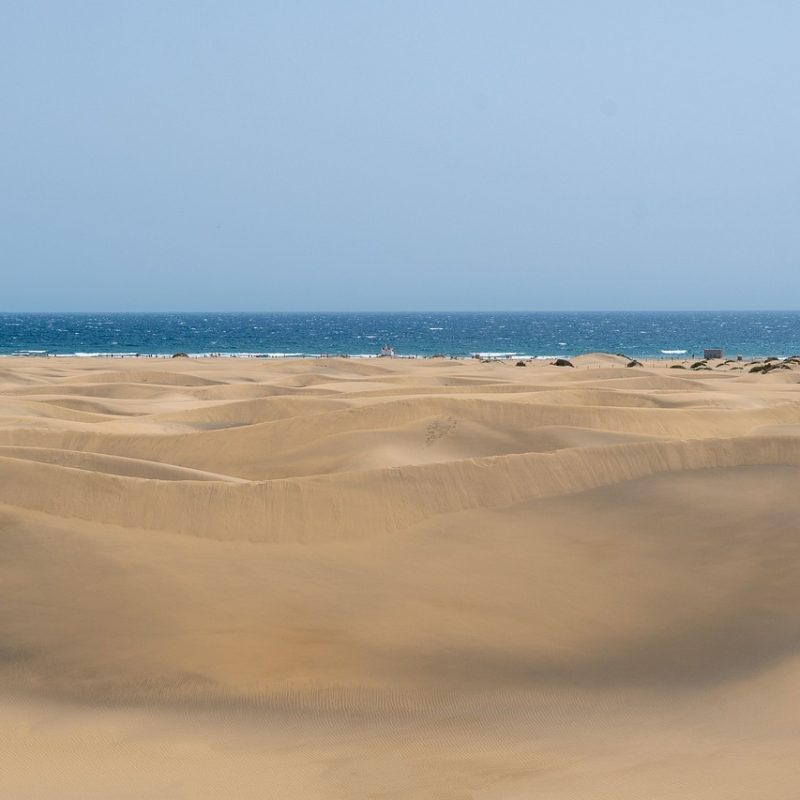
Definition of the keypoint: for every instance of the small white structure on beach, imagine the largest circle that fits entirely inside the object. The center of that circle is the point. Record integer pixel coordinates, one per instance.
(386, 352)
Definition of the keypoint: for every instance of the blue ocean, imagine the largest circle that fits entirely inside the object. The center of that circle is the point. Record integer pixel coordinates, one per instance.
(515, 334)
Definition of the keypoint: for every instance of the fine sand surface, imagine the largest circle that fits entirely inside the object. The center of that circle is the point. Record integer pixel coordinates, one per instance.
(339, 578)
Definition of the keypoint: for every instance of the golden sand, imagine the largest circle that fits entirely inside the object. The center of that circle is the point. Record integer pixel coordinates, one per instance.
(339, 578)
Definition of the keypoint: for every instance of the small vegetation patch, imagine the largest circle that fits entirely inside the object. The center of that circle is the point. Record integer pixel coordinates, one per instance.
(770, 367)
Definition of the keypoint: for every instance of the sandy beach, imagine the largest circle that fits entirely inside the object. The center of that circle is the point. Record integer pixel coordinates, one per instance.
(397, 578)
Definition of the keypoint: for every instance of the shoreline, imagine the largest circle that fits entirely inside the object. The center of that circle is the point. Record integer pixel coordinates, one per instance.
(478, 356)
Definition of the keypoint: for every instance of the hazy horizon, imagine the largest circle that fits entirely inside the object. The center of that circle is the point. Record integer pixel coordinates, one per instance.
(343, 311)
(551, 156)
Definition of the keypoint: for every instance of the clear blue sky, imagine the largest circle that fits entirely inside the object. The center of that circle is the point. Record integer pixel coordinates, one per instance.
(399, 155)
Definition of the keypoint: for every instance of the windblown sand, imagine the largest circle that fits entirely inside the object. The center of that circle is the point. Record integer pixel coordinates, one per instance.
(438, 579)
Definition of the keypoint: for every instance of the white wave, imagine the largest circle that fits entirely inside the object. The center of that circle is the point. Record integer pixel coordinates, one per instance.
(247, 354)
(97, 355)
(673, 352)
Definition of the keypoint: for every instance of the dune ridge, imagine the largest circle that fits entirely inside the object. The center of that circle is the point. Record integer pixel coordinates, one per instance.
(133, 493)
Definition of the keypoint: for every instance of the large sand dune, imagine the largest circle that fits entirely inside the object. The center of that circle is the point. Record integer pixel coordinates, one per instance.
(398, 579)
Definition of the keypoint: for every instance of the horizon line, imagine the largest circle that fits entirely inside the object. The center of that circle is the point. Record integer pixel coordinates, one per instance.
(422, 311)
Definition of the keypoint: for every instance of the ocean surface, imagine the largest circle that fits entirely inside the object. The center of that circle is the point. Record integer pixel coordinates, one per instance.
(517, 334)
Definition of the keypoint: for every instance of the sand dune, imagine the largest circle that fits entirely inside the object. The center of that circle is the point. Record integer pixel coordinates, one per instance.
(138, 376)
(112, 465)
(424, 579)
